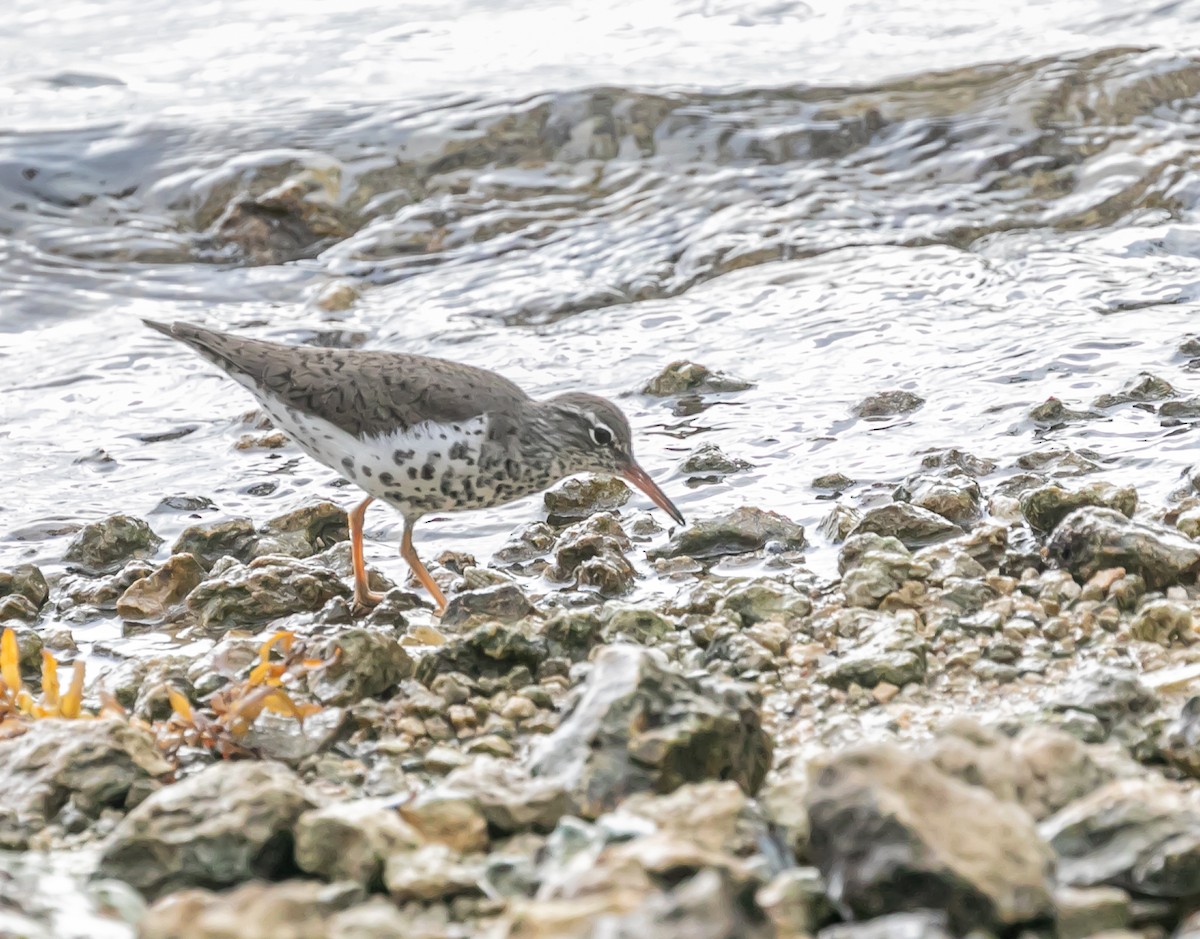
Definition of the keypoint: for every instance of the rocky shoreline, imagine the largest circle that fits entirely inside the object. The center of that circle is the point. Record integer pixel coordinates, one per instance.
(984, 724)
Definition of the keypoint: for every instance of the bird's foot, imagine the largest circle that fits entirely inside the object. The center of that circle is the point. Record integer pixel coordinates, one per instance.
(365, 600)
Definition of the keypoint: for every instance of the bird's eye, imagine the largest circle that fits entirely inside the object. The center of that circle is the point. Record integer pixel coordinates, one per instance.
(601, 435)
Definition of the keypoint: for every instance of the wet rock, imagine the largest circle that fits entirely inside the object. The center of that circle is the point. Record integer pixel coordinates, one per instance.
(762, 600)
(634, 624)
(368, 664)
(680, 377)
(432, 872)
(102, 547)
(1090, 912)
(1181, 744)
(840, 521)
(505, 794)
(1046, 506)
(17, 608)
(1060, 462)
(352, 841)
(1185, 409)
(1109, 694)
(532, 541)
(1142, 835)
(1163, 621)
(1188, 522)
(1091, 539)
(304, 532)
(87, 765)
(888, 404)
(833, 481)
(1145, 387)
(294, 909)
(592, 553)
(888, 650)
(152, 598)
(211, 541)
(795, 903)
(955, 498)
(580, 497)
(1052, 411)
(26, 581)
(892, 833)
(492, 650)
(709, 462)
(742, 530)
(911, 525)
(955, 459)
(1041, 768)
(227, 824)
(874, 566)
(640, 725)
(282, 738)
(238, 595)
(923, 924)
(503, 602)
(453, 817)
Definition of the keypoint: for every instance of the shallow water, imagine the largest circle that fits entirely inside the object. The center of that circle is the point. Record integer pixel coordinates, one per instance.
(986, 206)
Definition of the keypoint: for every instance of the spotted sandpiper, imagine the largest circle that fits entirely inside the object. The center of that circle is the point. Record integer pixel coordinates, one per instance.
(422, 434)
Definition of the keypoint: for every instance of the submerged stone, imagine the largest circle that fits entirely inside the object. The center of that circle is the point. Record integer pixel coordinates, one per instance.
(1090, 540)
(27, 581)
(103, 546)
(888, 404)
(680, 377)
(1046, 506)
(911, 525)
(742, 530)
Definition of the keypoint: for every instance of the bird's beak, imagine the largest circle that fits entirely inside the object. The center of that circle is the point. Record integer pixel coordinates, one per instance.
(640, 478)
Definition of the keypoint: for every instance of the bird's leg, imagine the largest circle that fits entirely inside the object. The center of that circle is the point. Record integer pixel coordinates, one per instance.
(364, 596)
(409, 553)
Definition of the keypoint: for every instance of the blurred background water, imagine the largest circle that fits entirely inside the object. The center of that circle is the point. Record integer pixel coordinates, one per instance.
(982, 203)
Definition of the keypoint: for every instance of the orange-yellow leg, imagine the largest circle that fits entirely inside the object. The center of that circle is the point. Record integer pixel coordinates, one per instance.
(409, 553)
(364, 596)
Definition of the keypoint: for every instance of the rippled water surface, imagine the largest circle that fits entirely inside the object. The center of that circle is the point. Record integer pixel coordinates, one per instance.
(985, 204)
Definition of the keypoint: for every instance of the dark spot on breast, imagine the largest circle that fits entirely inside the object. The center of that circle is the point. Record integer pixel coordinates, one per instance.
(459, 451)
(394, 495)
(400, 457)
(386, 478)
(442, 436)
(412, 472)
(427, 471)
(512, 469)
(366, 470)
(347, 462)
(456, 428)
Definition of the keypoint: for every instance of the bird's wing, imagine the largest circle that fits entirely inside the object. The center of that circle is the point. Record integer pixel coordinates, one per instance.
(364, 392)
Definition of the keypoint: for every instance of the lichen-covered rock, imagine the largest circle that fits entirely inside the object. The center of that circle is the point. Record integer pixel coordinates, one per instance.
(304, 532)
(432, 872)
(580, 497)
(708, 461)
(742, 530)
(364, 663)
(501, 793)
(89, 765)
(103, 546)
(352, 840)
(1145, 387)
(493, 649)
(1090, 540)
(955, 498)
(634, 624)
(873, 566)
(1046, 506)
(227, 824)
(1110, 694)
(680, 377)
(152, 598)
(832, 481)
(239, 595)
(503, 602)
(910, 524)
(892, 833)
(1163, 621)
(1142, 835)
(27, 581)
(1053, 412)
(889, 650)
(888, 404)
(761, 600)
(1057, 462)
(1182, 738)
(209, 542)
(641, 725)
(16, 607)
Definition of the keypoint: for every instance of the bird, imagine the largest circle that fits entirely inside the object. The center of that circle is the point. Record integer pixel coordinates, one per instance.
(422, 434)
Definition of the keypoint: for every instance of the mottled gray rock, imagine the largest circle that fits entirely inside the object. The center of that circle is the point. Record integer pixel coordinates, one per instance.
(873, 566)
(211, 541)
(103, 546)
(1182, 738)
(832, 481)
(240, 595)
(742, 530)
(634, 624)
(532, 541)
(1184, 409)
(892, 833)
(592, 553)
(1046, 506)
(432, 872)
(502, 602)
(1110, 694)
(1163, 621)
(909, 524)
(889, 650)
(352, 840)
(304, 532)
(1060, 462)
(493, 649)
(1145, 387)
(955, 498)
(227, 824)
(1091, 540)
(503, 793)
(888, 404)
(16, 607)
(641, 725)
(89, 765)
(152, 598)
(839, 522)
(580, 497)
(680, 377)
(26, 581)
(708, 461)
(1053, 412)
(1142, 835)
(762, 600)
(368, 664)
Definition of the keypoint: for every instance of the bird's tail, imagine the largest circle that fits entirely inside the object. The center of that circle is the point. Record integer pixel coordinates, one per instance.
(235, 354)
